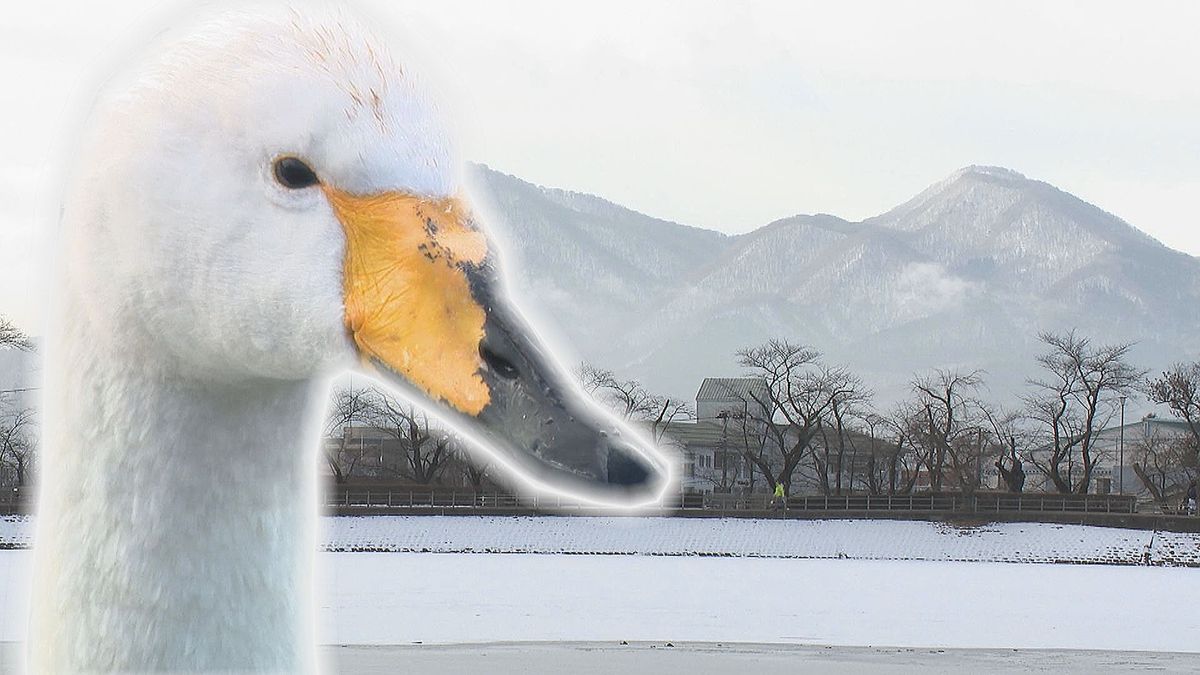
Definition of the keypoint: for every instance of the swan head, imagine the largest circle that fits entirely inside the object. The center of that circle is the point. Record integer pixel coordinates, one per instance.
(276, 197)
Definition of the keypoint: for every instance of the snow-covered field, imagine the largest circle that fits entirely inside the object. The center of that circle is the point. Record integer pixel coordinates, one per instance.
(770, 538)
(853, 539)
(488, 597)
(400, 580)
(401, 598)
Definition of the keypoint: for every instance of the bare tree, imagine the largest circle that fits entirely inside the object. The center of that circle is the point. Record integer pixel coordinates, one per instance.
(1179, 390)
(669, 411)
(18, 445)
(13, 337)
(349, 406)
(632, 401)
(754, 445)
(1014, 440)
(475, 473)
(627, 398)
(835, 460)
(1165, 465)
(1076, 398)
(949, 422)
(891, 465)
(787, 370)
(427, 449)
(800, 393)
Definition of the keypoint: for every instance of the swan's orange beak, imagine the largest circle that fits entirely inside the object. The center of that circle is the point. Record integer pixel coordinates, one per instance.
(408, 301)
(424, 308)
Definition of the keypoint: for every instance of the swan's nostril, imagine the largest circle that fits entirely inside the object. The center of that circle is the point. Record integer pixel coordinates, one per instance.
(627, 469)
(498, 364)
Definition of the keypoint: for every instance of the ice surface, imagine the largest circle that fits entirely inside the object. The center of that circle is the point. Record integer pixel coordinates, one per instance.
(841, 582)
(401, 598)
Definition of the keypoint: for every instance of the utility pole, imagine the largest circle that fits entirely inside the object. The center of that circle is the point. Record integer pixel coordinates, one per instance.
(722, 452)
(1121, 445)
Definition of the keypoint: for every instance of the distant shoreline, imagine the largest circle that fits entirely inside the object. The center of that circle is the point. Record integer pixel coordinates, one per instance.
(812, 539)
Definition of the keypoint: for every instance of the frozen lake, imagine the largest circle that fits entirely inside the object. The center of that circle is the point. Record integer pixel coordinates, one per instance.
(549, 595)
(448, 598)
(725, 659)
(697, 658)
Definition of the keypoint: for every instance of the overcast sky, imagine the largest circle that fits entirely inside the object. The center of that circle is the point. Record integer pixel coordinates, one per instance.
(721, 115)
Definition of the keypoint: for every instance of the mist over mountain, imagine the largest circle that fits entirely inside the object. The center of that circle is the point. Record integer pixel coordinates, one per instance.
(963, 275)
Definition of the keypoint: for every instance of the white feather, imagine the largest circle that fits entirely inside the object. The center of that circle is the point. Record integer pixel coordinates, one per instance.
(201, 309)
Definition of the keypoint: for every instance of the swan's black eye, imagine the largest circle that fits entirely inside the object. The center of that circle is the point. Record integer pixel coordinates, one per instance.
(294, 174)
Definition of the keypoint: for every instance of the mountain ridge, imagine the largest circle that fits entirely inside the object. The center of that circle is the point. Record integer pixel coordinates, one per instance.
(965, 273)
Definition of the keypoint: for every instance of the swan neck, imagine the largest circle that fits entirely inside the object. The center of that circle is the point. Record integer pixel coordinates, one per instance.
(175, 527)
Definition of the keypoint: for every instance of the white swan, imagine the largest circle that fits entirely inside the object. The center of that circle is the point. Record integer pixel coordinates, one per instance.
(264, 203)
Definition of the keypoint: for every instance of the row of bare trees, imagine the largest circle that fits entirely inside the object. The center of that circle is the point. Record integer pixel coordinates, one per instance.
(371, 433)
(18, 433)
(416, 449)
(813, 425)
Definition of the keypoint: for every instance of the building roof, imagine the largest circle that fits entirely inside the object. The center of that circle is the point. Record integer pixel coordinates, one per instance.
(1172, 423)
(726, 388)
(699, 433)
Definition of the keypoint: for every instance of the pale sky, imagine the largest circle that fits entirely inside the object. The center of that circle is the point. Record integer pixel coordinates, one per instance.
(724, 115)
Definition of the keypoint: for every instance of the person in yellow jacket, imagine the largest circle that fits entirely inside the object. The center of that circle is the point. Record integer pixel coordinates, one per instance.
(779, 501)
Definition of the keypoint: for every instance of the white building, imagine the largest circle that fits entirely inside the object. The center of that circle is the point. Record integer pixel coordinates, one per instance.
(727, 408)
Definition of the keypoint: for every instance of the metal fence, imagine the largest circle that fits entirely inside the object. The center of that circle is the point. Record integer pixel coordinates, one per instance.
(14, 500)
(983, 502)
(366, 498)
(352, 498)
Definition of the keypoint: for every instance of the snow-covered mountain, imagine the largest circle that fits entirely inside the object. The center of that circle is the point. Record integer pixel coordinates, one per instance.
(965, 274)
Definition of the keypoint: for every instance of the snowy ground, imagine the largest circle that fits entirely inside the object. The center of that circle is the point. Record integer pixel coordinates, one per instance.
(886, 595)
(739, 537)
(502, 598)
(770, 538)
(402, 598)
